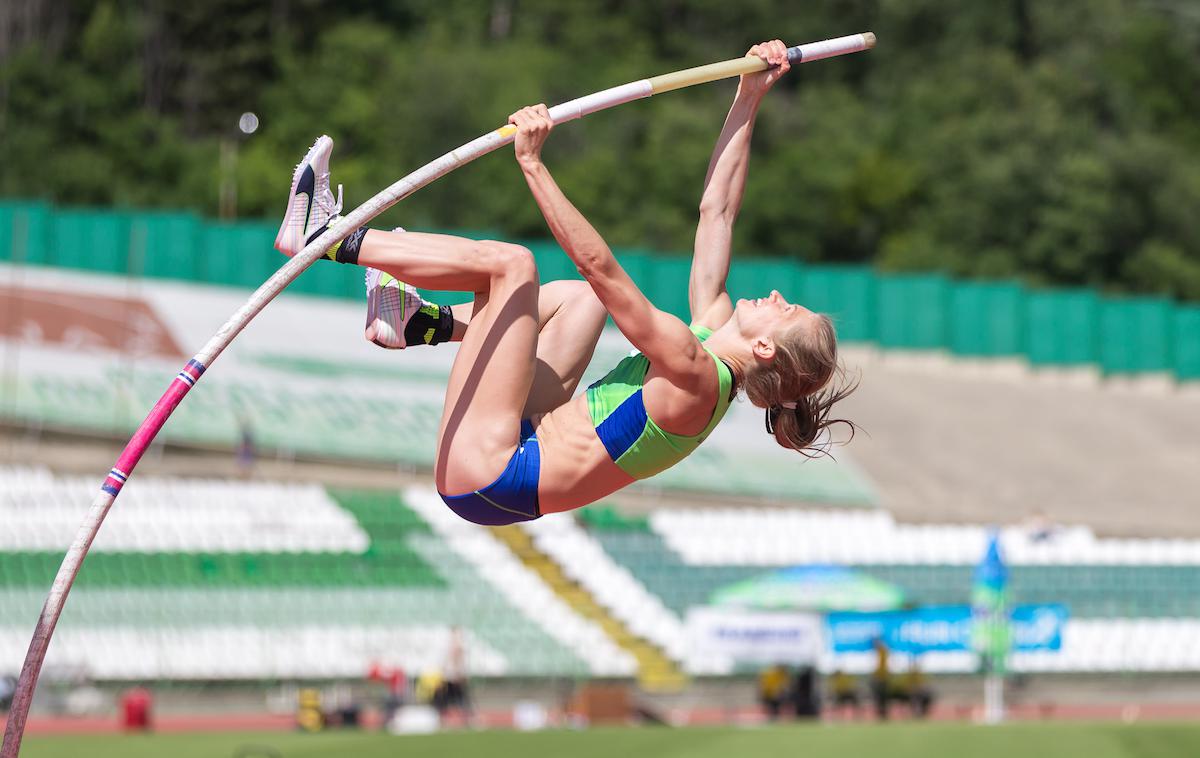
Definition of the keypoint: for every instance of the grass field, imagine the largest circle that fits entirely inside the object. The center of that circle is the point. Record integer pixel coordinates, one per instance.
(1052, 740)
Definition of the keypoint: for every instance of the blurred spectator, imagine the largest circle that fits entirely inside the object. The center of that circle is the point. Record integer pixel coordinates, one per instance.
(454, 688)
(843, 692)
(429, 687)
(348, 716)
(8, 688)
(310, 717)
(1039, 527)
(397, 689)
(914, 687)
(805, 700)
(137, 705)
(245, 455)
(772, 688)
(881, 680)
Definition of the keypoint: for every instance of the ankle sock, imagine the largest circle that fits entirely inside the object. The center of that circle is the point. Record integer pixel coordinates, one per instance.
(431, 324)
(346, 251)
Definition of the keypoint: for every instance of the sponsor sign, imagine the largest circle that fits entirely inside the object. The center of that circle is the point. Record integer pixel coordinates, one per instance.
(941, 628)
(753, 637)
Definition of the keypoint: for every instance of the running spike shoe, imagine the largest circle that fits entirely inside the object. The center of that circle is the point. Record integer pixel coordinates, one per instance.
(311, 205)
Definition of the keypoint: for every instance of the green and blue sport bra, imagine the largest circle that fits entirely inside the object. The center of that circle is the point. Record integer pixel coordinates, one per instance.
(640, 447)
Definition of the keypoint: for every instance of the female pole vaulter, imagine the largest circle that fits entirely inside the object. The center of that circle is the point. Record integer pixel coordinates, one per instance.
(513, 444)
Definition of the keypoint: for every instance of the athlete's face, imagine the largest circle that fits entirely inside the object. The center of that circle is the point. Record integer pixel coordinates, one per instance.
(769, 316)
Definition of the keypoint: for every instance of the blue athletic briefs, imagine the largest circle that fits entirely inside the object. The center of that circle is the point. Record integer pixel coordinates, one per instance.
(513, 496)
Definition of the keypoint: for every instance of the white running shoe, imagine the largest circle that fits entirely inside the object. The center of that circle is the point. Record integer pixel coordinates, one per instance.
(391, 304)
(311, 205)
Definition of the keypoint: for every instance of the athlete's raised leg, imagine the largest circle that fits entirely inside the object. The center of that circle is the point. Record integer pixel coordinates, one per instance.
(493, 372)
(570, 318)
(569, 315)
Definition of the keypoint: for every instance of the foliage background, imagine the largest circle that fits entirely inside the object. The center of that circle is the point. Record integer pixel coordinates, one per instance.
(1047, 142)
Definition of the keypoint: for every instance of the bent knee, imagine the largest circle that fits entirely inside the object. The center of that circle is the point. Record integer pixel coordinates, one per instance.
(511, 261)
(581, 298)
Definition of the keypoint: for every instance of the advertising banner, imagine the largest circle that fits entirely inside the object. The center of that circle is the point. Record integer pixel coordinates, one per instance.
(941, 628)
(753, 637)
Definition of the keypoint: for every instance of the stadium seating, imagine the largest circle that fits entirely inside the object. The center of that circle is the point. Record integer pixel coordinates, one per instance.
(306, 419)
(520, 586)
(583, 559)
(247, 580)
(214, 579)
(1134, 604)
(698, 550)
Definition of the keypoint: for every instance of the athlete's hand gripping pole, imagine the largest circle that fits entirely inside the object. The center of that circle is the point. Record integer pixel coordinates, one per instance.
(813, 51)
(191, 373)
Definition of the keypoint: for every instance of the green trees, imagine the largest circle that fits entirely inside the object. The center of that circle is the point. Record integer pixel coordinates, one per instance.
(1053, 142)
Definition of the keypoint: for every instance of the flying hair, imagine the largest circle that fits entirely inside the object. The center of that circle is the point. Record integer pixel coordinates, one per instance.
(799, 388)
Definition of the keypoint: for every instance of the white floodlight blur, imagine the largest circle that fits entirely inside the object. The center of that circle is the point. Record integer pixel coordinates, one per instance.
(248, 123)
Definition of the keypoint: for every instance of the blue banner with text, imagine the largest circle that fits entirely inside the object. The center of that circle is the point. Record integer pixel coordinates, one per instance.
(941, 628)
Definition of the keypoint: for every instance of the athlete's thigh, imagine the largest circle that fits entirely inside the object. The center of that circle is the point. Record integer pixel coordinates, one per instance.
(571, 318)
(490, 381)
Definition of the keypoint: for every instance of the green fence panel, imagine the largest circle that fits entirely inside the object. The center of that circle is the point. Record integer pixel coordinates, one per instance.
(1061, 327)
(237, 254)
(243, 255)
(328, 279)
(89, 240)
(165, 245)
(658, 277)
(912, 311)
(24, 232)
(1051, 327)
(986, 318)
(666, 284)
(637, 263)
(12, 236)
(447, 297)
(38, 219)
(755, 277)
(847, 294)
(1186, 351)
(553, 264)
(1136, 335)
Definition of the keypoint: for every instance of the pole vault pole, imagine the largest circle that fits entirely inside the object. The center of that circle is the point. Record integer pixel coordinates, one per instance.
(195, 368)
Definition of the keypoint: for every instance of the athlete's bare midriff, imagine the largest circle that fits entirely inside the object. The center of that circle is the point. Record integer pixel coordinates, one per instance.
(576, 469)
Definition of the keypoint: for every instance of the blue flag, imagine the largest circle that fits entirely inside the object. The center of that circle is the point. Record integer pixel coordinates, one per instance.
(991, 632)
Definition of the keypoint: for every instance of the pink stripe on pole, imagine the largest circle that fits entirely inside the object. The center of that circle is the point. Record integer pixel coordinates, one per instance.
(150, 427)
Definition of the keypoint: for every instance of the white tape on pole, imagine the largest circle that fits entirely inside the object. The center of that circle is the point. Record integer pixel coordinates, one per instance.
(828, 48)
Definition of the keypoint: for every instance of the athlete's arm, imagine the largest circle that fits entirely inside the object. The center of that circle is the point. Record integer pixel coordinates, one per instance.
(661, 337)
(723, 189)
